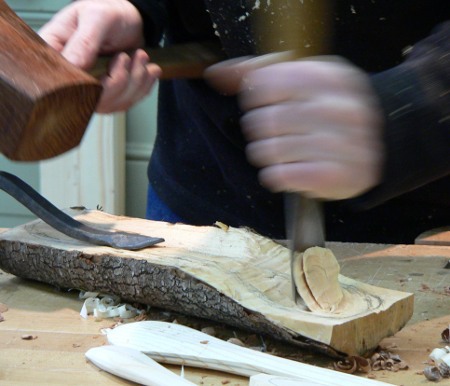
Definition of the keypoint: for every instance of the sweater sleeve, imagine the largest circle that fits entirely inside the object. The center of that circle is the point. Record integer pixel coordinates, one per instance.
(415, 97)
(154, 16)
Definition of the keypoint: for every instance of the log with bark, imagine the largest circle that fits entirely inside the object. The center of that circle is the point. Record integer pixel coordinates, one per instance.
(225, 274)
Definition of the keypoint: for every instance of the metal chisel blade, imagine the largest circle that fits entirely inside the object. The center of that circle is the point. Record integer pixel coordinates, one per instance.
(304, 227)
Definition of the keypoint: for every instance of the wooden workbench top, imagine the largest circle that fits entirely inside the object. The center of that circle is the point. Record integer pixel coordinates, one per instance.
(60, 337)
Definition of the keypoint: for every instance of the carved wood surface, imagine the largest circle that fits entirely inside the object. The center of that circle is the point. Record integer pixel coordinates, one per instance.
(224, 274)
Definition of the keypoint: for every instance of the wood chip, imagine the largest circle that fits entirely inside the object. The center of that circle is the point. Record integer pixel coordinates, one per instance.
(28, 337)
(432, 374)
(237, 342)
(209, 330)
(316, 273)
(321, 271)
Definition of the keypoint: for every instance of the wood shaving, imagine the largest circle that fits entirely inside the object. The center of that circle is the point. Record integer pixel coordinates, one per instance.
(444, 369)
(221, 225)
(382, 360)
(142, 316)
(106, 306)
(440, 368)
(432, 373)
(353, 364)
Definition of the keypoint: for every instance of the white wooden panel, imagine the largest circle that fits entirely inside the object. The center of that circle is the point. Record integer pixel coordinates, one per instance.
(92, 175)
(141, 133)
(12, 213)
(136, 188)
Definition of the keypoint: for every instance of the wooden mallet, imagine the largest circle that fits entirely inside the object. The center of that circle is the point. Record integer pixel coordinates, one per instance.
(46, 102)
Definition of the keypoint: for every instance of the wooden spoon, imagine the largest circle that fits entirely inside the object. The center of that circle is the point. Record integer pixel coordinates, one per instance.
(177, 344)
(134, 365)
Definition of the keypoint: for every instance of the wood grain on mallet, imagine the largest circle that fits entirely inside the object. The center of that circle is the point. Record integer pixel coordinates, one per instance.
(45, 102)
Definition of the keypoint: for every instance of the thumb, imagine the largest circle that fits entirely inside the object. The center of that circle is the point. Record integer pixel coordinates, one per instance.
(83, 46)
(228, 75)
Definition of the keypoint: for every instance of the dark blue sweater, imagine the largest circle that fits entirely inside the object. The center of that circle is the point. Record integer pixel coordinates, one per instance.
(198, 167)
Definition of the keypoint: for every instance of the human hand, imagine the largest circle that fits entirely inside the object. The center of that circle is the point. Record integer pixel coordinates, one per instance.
(84, 29)
(313, 126)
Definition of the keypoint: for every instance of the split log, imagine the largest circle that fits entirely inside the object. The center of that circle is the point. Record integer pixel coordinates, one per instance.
(225, 274)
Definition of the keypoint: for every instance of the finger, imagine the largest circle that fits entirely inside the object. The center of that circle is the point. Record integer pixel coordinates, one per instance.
(142, 77)
(277, 120)
(299, 81)
(114, 83)
(130, 79)
(84, 44)
(228, 75)
(326, 180)
(54, 39)
(276, 150)
(312, 179)
(348, 116)
(272, 121)
(324, 146)
(58, 30)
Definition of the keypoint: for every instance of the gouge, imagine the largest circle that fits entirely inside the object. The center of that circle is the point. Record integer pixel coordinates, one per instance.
(302, 27)
(64, 223)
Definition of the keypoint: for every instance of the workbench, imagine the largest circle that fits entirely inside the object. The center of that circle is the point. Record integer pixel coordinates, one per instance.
(43, 338)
